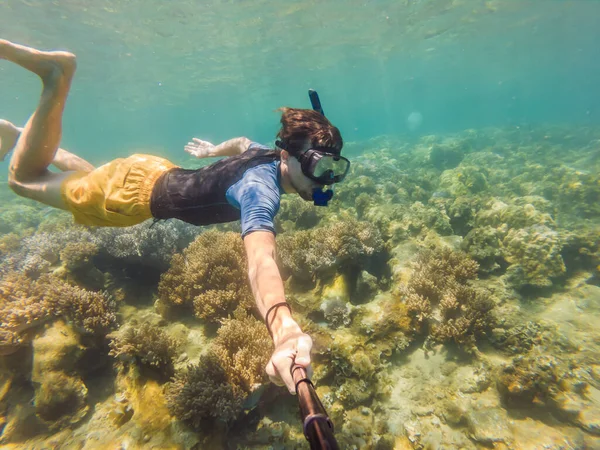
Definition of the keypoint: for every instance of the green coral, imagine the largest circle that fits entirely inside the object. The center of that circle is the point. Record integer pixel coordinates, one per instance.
(210, 277)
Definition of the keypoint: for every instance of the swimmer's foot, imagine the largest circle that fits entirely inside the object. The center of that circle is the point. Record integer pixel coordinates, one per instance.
(49, 66)
(8, 137)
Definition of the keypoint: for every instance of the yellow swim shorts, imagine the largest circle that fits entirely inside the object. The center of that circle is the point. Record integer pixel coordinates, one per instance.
(116, 194)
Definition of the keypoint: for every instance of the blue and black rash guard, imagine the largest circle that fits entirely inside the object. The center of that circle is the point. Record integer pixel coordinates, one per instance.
(246, 187)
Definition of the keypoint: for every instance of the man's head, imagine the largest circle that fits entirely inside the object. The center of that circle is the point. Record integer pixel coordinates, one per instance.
(305, 132)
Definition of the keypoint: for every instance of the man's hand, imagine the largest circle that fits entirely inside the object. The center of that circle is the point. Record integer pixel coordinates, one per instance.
(200, 148)
(292, 347)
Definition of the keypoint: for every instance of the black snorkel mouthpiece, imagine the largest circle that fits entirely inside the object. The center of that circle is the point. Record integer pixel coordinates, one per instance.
(320, 197)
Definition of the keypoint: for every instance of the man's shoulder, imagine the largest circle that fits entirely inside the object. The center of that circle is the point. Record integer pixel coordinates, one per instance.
(258, 146)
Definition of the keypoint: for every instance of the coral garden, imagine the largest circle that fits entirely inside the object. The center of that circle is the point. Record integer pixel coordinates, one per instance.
(452, 292)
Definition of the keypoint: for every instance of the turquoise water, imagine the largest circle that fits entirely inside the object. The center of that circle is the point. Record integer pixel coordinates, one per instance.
(153, 75)
(451, 289)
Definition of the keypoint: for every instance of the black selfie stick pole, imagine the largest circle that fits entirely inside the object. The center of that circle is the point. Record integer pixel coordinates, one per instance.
(318, 428)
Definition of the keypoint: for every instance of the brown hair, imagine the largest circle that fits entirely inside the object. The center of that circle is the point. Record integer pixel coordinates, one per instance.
(298, 125)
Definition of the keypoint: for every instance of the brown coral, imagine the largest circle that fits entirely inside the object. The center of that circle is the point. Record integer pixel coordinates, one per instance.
(26, 302)
(147, 345)
(442, 302)
(202, 395)
(345, 246)
(210, 277)
(243, 347)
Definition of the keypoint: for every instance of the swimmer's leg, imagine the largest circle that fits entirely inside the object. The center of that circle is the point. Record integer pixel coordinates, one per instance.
(37, 145)
(63, 160)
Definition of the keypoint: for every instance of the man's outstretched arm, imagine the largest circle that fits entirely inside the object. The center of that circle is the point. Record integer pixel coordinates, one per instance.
(292, 346)
(204, 149)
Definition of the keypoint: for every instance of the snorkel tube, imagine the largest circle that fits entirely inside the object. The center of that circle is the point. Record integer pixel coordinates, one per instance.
(320, 197)
(317, 426)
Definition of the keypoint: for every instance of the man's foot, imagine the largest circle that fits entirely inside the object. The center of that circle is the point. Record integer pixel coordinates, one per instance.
(50, 66)
(9, 134)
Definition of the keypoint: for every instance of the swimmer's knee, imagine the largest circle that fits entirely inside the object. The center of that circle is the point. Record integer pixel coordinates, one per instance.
(14, 185)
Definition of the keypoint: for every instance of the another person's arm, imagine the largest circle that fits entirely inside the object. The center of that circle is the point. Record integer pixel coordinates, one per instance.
(204, 149)
(292, 346)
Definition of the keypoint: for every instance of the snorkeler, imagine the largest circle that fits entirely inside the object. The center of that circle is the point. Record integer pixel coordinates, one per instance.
(128, 191)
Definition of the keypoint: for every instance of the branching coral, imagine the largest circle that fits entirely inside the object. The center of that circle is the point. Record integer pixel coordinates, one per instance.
(442, 302)
(145, 244)
(210, 276)
(216, 388)
(203, 394)
(243, 347)
(25, 303)
(347, 245)
(147, 345)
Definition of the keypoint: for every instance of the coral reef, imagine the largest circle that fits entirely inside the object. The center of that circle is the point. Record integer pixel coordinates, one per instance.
(146, 244)
(442, 303)
(203, 395)
(243, 347)
(60, 394)
(216, 389)
(26, 303)
(146, 345)
(347, 246)
(296, 214)
(535, 256)
(210, 276)
(521, 202)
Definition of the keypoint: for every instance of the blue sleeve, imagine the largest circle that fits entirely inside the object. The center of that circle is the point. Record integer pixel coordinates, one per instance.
(257, 196)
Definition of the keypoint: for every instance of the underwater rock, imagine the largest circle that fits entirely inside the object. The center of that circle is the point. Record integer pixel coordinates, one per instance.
(57, 350)
(446, 156)
(60, 400)
(489, 426)
(366, 286)
(335, 303)
(60, 394)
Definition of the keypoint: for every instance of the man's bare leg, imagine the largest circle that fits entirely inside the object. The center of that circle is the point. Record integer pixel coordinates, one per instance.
(37, 146)
(63, 160)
